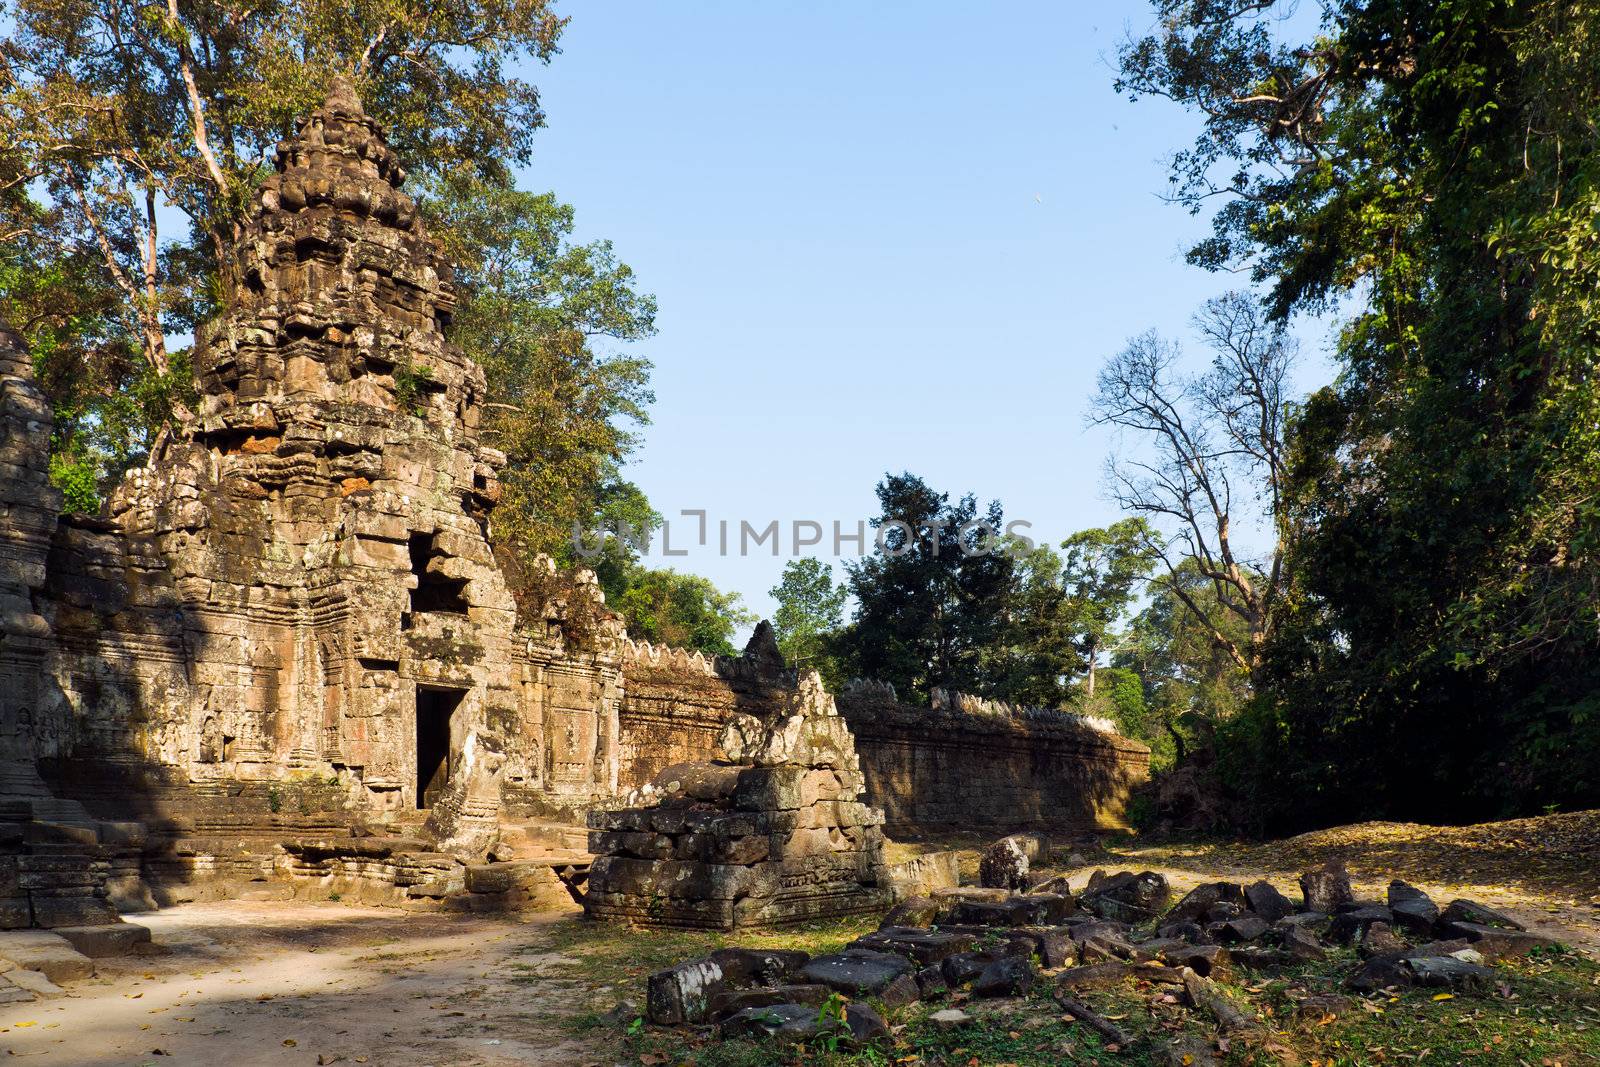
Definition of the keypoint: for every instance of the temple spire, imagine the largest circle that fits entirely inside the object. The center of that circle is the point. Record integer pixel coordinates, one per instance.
(342, 96)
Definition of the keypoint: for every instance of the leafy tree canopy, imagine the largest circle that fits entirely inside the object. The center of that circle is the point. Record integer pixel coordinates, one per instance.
(666, 607)
(1431, 170)
(810, 612)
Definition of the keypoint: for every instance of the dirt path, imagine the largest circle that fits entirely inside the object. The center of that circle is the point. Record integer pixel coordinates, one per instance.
(271, 983)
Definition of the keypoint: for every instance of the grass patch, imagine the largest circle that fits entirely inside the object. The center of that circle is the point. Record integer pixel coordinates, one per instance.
(1547, 1012)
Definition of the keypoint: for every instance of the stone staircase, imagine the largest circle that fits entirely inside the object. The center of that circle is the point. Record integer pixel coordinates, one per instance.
(20, 784)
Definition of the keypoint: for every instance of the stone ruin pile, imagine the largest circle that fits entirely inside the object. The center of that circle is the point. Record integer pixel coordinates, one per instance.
(774, 833)
(996, 943)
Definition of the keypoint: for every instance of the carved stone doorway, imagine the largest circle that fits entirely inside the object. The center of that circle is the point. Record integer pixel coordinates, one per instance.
(435, 752)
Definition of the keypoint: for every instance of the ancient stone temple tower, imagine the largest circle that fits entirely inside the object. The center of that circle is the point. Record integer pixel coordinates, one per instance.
(299, 587)
(329, 514)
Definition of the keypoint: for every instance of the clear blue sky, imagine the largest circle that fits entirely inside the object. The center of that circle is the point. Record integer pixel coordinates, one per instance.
(884, 237)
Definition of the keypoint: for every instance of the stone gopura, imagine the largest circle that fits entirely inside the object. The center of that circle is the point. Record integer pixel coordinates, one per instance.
(774, 833)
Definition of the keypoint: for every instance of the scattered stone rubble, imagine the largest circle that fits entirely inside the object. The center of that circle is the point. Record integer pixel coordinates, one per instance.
(995, 943)
(774, 833)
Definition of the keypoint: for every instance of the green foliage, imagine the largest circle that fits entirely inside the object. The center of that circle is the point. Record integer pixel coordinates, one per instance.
(114, 113)
(1014, 622)
(1434, 168)
(1103, 570)
(809, 616)
(663, 606)
(1033, 651)
(536, 306)
(1190, 681)
(409, 382)
(75, 476)
(927, 605)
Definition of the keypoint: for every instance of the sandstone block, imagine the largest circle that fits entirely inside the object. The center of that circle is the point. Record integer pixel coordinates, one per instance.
(857, 972)
(51, 911)
(769, 789)
(33, 982)
(45, 952)
(112, 939)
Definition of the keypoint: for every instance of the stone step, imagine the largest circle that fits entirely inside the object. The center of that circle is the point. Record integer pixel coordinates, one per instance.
(33, 982)
(46, 952)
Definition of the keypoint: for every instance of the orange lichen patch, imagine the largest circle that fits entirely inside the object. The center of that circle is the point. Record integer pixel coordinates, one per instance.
(353, 485)
(260, 446)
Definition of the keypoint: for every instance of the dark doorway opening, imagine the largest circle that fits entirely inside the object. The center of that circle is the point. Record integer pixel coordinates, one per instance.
(434, 591)
(434, 754)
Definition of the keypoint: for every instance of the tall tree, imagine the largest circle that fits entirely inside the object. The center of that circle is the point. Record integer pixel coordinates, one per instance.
(1209, 457)
(1102, 573)
(536, 307)
(1191, 683)
(810, 614)
(1033, 656)
(930, 599)
(1433, 167)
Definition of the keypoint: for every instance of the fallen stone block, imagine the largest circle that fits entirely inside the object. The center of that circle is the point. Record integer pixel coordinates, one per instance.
(900, 992)
(1128, 897)
(1185, 931)
(758, 966)
(1037, 909)
(1414, 911)
(1379, 939)
(858, 972)
(1301, 943)
(964, 967)
(1497, 942)
(1004, 865)
(1382, 972)
(683, 992)
(924, 946)
(1451, 973)
(1234, 931)
(1199, 900)
(114, 939)
(785, 1022)
(1351, 925)
(1470, 911)
(1326, 887)
(1008, 976)
(1263, 899)
(931, 982)
(912, 911)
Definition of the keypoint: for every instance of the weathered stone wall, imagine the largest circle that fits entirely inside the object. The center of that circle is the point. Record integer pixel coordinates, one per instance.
(973, 764)
(676, 703)
(962, 764)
